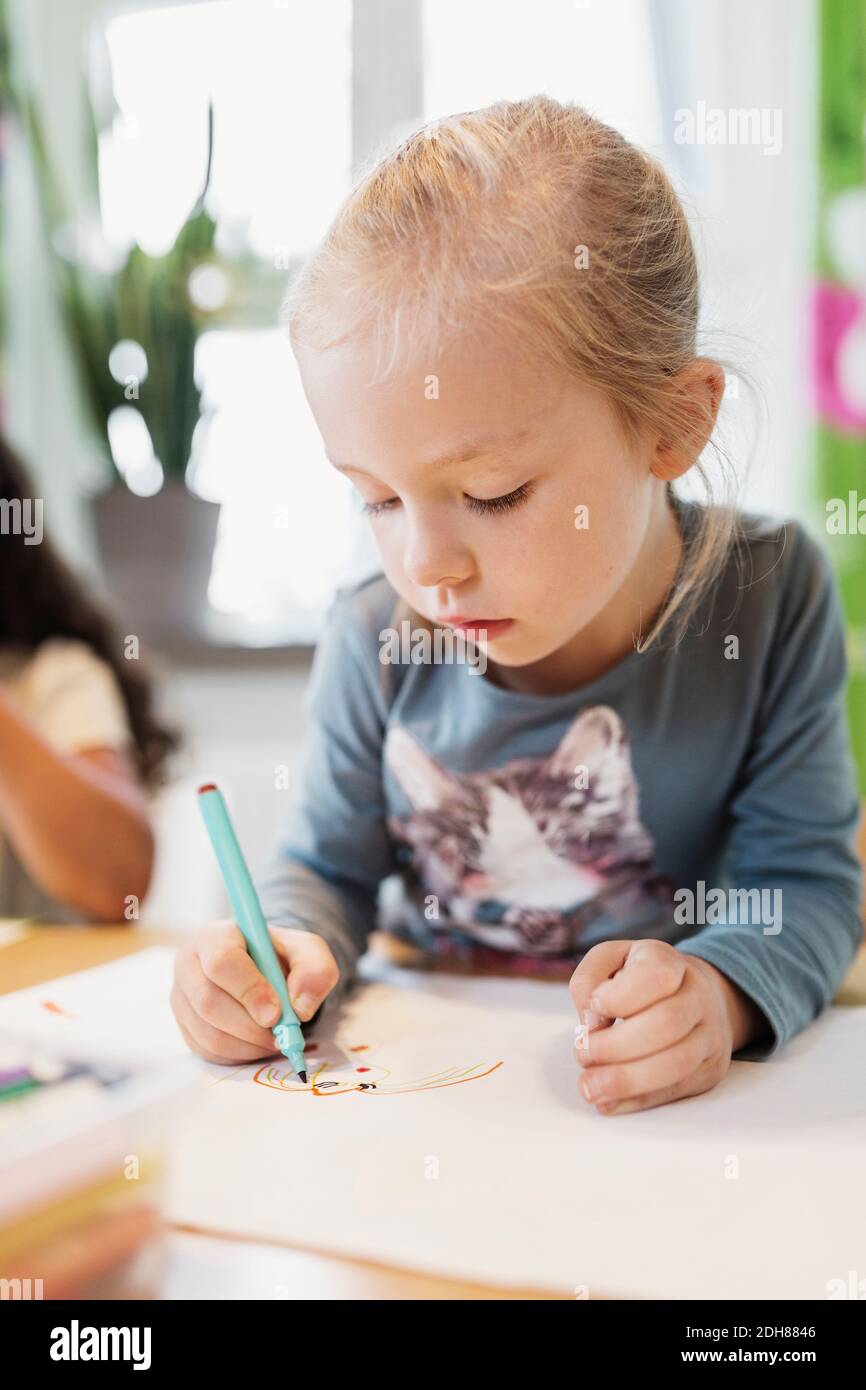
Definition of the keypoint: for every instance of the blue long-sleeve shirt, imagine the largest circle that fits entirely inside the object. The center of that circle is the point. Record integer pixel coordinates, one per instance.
(702, 794)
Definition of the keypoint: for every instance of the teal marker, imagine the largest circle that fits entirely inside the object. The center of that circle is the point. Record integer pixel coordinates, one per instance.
(250, 919)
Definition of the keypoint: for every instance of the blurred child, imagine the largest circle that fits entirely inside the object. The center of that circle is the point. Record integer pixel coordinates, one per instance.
(79, 743)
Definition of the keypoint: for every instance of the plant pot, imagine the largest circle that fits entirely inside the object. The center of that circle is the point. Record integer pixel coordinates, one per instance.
(156, 554)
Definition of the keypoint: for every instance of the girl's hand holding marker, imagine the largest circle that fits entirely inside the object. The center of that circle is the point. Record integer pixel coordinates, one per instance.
(226, 1009)
(231, 984)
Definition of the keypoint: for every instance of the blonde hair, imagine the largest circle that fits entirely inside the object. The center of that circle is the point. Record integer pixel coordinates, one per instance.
(474, 223)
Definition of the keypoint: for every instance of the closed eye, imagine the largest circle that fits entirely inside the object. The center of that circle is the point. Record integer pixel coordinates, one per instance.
(498, 504)
(474, 504)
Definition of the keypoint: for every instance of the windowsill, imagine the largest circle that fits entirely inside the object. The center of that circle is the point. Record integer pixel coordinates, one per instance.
(224, 639)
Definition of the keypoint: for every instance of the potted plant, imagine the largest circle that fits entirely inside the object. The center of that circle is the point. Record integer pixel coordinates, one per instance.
(133, 320)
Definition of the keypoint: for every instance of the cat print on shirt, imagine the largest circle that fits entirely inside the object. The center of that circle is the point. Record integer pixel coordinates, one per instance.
(525, 857)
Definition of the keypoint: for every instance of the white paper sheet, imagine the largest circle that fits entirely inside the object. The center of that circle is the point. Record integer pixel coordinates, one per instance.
(115, 1012)
(455, 1142)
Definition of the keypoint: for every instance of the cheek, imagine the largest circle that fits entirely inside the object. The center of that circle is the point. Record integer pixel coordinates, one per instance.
(387, 537)
(557, 544)
(583, 564)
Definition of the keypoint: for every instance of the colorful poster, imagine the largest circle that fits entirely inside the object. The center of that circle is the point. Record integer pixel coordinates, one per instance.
(839, 330)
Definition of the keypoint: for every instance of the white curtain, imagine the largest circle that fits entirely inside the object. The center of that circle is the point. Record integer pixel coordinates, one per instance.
(752, 212)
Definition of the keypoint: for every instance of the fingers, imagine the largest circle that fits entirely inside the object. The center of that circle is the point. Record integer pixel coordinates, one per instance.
(227, 965)
(226, 1009)
(653, 1029)
(627, 1081)
(596, 968)
(665, 1045)
(703, 1079)
(312, 969)
(652, 970)
(212, 1043)
(599, 963)
(210, 959)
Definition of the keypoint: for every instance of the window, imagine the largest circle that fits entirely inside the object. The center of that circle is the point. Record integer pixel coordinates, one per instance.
(279, 76)
(572, 50)
(280, 79)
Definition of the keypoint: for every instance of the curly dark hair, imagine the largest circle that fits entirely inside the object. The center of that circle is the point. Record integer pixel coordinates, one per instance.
(41, 597)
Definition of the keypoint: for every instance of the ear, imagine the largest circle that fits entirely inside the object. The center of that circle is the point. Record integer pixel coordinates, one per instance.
(425, 783)
(696, 395)
(587, 740)
(598, 740)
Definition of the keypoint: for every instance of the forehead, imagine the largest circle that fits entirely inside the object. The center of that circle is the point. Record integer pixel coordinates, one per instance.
(475, 388)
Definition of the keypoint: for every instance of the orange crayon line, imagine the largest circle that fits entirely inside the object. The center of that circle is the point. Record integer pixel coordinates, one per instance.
(52, 1008)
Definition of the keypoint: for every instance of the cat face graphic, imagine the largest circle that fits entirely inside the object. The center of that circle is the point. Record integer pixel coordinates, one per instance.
(529, 852)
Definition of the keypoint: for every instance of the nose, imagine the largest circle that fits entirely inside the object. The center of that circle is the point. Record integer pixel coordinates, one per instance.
(433, 557)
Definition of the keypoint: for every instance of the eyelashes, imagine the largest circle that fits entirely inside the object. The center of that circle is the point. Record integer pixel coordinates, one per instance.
(377, 508)
(485, 505)
(498, 504)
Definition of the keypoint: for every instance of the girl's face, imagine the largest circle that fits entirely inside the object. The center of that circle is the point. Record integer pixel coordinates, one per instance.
(472, 471)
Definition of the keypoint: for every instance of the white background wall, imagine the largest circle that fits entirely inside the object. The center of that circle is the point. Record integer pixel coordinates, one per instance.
(241, 723)
(753, 214)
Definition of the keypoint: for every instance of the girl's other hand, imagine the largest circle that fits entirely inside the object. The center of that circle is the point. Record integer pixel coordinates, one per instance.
(679, 1021)
(225, 1008)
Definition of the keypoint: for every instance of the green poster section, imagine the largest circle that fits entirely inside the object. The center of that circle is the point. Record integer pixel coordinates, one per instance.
(4, 83)
(839, 330)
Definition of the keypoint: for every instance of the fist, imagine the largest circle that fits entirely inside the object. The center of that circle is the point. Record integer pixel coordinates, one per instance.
(678, 1020)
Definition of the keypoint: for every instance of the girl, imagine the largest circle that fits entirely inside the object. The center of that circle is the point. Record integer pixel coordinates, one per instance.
(78, 739)
(651, 780)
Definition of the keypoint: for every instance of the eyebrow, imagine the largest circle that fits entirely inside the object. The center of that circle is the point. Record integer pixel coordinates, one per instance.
(472, 449)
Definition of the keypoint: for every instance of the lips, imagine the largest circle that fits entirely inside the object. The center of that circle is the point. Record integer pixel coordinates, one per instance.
(493, 627)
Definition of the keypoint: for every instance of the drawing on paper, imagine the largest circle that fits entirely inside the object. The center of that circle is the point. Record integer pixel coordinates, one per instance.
(50, 1007)
(336, 1071)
